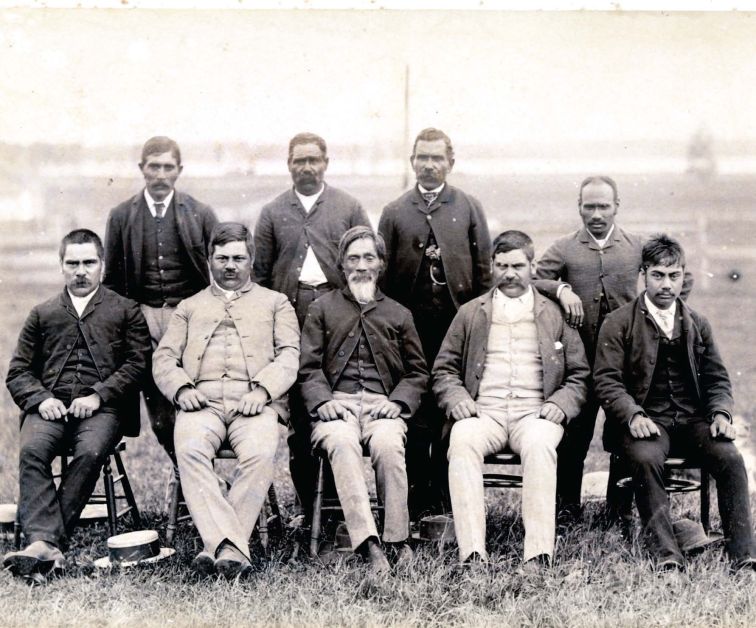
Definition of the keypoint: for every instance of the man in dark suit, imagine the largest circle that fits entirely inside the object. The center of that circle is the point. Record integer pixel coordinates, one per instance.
(75, 374)
(156, 254)
(663, 386)
(438, 258)
(592, 272)
(296, 238)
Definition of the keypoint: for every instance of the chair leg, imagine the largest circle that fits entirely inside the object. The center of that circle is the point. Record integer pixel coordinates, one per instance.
(262, 524)
(136, 518)
(173, 507)
(107, 478)
(17, 531)
(275, 512)
(317, 511)
(705, 500)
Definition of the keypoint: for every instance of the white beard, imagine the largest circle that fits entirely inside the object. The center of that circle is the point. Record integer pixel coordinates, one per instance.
(363, 291)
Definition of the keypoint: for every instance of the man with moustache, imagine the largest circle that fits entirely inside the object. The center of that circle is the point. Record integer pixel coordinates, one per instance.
(362, 374)
(664, 387)
(156, 254)
(510, 371)
(227, 359)
(76, 372)
(438, 258)
(296, 237)
(592, 272)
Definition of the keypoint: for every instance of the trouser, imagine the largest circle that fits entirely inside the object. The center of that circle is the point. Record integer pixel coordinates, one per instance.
(302, 464)
(720, 458)
(254, 439)
(48, 514)
(502, 421)
(160, 410)
(343, 440)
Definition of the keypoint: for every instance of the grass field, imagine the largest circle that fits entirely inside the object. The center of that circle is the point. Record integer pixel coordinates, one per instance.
(598, 579)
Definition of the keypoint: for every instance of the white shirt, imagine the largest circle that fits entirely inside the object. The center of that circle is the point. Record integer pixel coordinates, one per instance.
(151, 202)
(437, 191)
(80, 303)
(510, 309)
(602, 241)
(311, 274)
(665, 319)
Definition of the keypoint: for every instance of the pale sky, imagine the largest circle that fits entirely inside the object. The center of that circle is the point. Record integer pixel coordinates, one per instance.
(99, 77)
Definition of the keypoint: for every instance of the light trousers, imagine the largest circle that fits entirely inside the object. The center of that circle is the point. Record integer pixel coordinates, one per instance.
(254, 439)
(501, 422)
(385, 440)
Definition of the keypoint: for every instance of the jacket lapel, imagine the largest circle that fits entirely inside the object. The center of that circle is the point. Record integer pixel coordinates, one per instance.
(93, 302)
(134, 232)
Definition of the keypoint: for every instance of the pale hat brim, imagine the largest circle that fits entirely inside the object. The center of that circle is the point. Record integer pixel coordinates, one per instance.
(105, 563)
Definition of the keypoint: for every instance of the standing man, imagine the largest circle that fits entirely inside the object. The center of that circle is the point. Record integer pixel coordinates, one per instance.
(362, 375)
(438, 258)
(297, 238)
(663, 386)
(156, 254)
(510, 371)
(75, 374)
(227, 359)
(592, 272)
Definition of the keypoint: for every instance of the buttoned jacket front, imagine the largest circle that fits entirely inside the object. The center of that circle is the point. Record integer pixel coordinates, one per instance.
(116, 336)
(626, 357)
(461, 232)
(284, 230)
(459, 366)
(331, 332)
(267, 327)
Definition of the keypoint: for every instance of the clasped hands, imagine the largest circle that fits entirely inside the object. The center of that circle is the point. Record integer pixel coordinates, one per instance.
(335, 410)
(53, 409)
(467, 409)
(252, 403)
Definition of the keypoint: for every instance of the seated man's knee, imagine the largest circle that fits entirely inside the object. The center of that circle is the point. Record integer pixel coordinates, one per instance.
(642, 454)
(462, 440)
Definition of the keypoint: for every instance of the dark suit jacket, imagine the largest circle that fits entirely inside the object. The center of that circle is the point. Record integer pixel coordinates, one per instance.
(284, 229)
(331, 332)
(117, 338)
(459, 365)
(462, 235)
(124, 238)
(626, 357)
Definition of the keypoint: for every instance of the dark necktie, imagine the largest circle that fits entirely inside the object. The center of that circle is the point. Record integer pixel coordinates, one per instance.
(429, 197)
(159, 207)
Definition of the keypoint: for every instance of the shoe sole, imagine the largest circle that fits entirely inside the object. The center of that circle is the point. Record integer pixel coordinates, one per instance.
(27, 565)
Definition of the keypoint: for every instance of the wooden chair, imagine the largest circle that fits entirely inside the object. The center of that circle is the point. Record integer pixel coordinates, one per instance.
(270, 507)
(323, 504)
(108, 498)
(502, 480)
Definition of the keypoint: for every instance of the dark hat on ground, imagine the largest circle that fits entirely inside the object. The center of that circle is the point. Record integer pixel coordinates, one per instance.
(132, 548)
(7, 517)
(436, 528)
(691, 538)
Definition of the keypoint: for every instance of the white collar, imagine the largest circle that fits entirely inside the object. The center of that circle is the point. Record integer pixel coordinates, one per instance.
(80, 303)
(308, 200)
(151, 202)
(658, 312)
(602, 242)
(436, 190)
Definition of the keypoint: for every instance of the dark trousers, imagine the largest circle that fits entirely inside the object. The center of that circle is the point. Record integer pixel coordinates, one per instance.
(48, 514)
(162, 417)
(691, 439)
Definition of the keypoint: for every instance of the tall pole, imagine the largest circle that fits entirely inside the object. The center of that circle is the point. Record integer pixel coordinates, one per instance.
(406, 138)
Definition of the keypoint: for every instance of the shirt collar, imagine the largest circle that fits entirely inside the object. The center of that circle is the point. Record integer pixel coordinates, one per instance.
(603, 240)
(310, 199)
(151, 202)
(526, 299)
(80, 303)
(655, 311)
(230, 294)
(435, 190)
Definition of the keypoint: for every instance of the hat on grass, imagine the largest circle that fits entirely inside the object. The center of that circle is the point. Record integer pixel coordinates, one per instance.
(7, 517)
(436, 528)
(140, 547)
(690, 536)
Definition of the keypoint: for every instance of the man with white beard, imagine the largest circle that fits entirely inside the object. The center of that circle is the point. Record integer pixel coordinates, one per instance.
(362, 374)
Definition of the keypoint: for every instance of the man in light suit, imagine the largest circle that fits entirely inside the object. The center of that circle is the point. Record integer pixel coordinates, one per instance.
(76, 372)
(438, 258)
(156, 254)
(227, 359)
(592, 271)
(297, 238)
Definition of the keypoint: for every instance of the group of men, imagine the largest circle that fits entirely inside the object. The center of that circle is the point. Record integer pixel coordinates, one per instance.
(420, 343)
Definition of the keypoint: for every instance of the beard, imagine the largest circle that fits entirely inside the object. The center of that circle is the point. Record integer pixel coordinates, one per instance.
(362, 286)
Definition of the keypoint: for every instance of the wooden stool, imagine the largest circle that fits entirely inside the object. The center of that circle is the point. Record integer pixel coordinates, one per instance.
(328, 504)
(177, 502)
(108, 498)
(502, 480)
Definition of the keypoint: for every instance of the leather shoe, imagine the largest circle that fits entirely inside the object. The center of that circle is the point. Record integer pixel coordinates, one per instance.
(231, 563)
(403, 554)
(744, 564)
(204, 564)
(378, 562)
(670, 564)
(38, 557)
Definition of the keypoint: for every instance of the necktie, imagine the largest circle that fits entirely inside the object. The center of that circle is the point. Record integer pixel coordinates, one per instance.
(429, 197)
(665, 322)
(159, 207)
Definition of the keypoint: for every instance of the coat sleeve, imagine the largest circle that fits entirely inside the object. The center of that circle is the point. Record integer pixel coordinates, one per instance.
(115, 274)
(480, 240)
(26, 366)
(386, 231)
(315, 387)
(280, 374)
(359, 216)
(167, 362)
(265, 249)
(713, 379)
(571, 395)
(129, 376)
(549, 272)
(448, 383)
(414, 383)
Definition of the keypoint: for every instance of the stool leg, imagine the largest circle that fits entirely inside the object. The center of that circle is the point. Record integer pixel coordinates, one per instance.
(107, 478)
(317, 511)
(173, 507)
(705, 498)
(17, 531)
(136, 518)
(275, 511)
(262, 524)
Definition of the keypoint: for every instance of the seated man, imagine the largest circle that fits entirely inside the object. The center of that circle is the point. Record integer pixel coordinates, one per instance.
(663, 385)
(362, 374)
(510, 371)
(75, 375)
(228, 357)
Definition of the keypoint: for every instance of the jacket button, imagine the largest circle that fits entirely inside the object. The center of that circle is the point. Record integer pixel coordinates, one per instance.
(341, 353)
(351, 334)
(421, 245)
